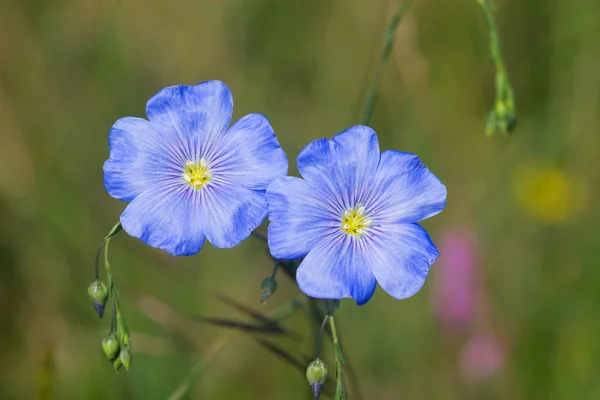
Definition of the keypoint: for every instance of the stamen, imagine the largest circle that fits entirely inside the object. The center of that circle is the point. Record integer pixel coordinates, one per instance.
(197, 174)
(354, 221)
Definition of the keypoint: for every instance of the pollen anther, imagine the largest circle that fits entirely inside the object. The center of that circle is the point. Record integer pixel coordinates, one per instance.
(197, 174)
(354, 221)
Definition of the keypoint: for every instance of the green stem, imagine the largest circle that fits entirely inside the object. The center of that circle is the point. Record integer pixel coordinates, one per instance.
(320, 336)
(116, 229)
(97, 261)
(495, 43)
(340, 391)
(107, 266)
(259, 234)
(388, 45)
(502, 117)
(113, 320)
(275, 268)
(112, 288)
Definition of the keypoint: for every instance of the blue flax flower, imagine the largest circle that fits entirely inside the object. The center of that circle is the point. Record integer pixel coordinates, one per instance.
(189, 176)
(353, 218)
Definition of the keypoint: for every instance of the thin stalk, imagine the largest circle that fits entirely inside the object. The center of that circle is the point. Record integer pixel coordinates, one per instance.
(320, 336)
(388, 45)
(340, 391)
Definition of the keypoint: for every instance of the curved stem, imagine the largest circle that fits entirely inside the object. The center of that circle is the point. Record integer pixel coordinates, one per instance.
(275, 268)
(373, 92)
(259, 235)
(320, 337)
(340, 391)
(97, 261)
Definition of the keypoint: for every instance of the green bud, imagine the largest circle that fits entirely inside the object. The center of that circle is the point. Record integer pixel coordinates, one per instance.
(127, 340)
(316, 373)
(123, 331)
(117, 364)
(125, 357)
(98, 292)
(111, 346)
(268, 287)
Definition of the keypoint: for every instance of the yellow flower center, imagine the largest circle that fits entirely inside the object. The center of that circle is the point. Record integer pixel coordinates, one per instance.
(197, 174)
(354, 221)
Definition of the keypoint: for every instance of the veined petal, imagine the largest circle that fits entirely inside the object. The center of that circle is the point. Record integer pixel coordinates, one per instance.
(230, 213)
(335, 268)
(139, 157)
(343, 166)
(404, 190)
(399, 256)
(299, 217)
(166, 217)
(196, 116)
(250, 156)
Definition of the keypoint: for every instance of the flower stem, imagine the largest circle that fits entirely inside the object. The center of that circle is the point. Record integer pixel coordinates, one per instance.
(116, 229)
(340, 391)
(107, 266)
(259, 235)
(388, 45)
(320, 336)
(97, 260)
(275, 268)
(502, 117)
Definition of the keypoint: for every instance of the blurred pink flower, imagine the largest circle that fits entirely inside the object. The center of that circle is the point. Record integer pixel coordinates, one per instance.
(455, 283)
(481, 357)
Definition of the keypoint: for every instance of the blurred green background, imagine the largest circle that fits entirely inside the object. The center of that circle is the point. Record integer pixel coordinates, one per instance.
(70, 68)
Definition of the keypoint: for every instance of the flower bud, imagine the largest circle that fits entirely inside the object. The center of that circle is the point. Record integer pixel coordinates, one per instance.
(125, 357)
(98, 292)
(268, 287)
(117, 364)
(123, 331)
(127, 340)
(111, 346)
(316, 373)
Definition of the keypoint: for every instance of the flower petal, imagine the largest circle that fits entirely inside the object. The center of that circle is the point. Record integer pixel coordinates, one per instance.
(197, 115)
(230, 213)
(166, 217)
(250, 155)
(342, 166)
(299, 217)
(337, 268)
(400, 256)
(139, 157)
(404, 190)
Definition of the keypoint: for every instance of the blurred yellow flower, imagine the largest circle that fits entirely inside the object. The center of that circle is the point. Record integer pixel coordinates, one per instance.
(547, 194)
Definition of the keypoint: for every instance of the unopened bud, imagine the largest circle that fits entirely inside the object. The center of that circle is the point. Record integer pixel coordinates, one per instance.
(316, 373)
(98, 292)
(127, 340)
(125, 357)
(111, 346)
(123, 331)
(268, 287)
(117, 364)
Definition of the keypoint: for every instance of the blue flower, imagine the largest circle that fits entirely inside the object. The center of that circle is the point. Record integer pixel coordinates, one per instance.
(353, 218)
(189, 176)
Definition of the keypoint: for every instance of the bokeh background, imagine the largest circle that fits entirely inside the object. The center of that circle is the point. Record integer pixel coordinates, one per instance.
(511, 310)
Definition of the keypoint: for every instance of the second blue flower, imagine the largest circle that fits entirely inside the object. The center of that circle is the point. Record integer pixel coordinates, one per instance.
(353, 218)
